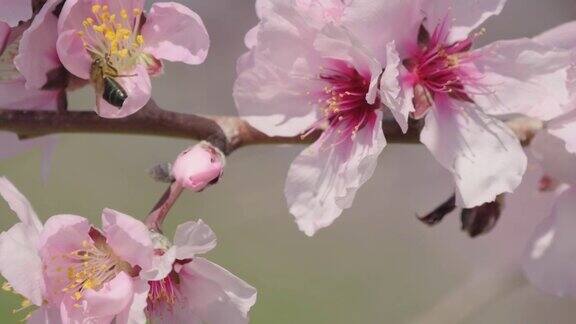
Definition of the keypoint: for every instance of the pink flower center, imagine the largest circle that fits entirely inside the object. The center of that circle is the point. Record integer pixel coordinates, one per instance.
(89, 267)
(113, 36)
(439, 68)
(343, 101)
(163, 294)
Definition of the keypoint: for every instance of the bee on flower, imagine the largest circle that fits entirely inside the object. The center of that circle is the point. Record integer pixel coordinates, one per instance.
(117, 46)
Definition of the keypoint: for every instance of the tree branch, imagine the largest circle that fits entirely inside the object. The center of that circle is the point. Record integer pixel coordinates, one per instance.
(226, 132)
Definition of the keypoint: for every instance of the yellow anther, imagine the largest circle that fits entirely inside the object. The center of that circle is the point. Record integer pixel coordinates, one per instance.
(136, 11)
(99, 28)
(123, 53)
(70, 273)
(112, 17)
(140, 39)
(123, 14)
(110, 35)
(80, 33)
(77, 295)
(96, 8)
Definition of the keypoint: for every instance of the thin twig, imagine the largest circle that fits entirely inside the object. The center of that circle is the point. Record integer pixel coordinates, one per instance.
(160, 211)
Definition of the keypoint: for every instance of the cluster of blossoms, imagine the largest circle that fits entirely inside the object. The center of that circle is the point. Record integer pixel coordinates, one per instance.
(340, 66)
(73, 272)
(330, 70)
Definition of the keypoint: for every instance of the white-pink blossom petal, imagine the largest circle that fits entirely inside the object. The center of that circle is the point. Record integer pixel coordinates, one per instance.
(565, 128)
(37, 54)
(175, 33)
(393, 95)
(549, 261)
(111, 299)
(324, 178)
(128, 237)
(463, 15)
(524, 77)
(73, 55)
(134, 313)
(276, 94)
(377, 23)
(215, 294)
(20, 263)
(551, 153)
(21, 207)
(193, 238)
(482, 152)
(563, 36)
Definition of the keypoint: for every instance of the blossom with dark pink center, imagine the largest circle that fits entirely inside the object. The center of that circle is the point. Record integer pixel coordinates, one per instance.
(438, 68)
(319, 78)
(116, 45)
(459, 90)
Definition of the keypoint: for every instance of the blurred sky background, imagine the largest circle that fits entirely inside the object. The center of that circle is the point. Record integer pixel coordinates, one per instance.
(376, 264)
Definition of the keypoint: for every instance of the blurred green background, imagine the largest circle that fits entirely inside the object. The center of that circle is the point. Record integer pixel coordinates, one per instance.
(376, 264)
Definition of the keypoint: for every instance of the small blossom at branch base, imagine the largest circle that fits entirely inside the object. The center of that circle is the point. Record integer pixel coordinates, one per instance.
(199, 166)
(186, 288)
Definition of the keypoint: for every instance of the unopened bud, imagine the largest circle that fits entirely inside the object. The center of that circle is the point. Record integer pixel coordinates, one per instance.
(198, 166)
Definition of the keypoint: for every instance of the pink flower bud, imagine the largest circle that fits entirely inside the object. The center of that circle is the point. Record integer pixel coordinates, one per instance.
(198, 166)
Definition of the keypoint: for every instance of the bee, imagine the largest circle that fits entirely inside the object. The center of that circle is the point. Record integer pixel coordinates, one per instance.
(104, 75)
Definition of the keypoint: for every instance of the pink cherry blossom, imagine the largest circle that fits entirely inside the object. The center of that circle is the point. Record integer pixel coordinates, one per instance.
(309, 75)
(459, 90)
(15, 95)
(198, 166)
(548, 261)
(191, 289)
(130, 42)
(71, 270)
(319, 12)
(37, 58)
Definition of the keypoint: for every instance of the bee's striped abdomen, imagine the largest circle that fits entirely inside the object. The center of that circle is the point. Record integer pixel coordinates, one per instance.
(114, 94)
